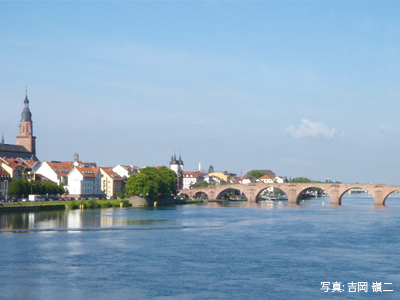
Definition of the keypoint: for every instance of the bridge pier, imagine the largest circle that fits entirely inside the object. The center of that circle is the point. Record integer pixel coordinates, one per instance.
(335, 199)
(292, 196)
(378, 198)
(251, 199)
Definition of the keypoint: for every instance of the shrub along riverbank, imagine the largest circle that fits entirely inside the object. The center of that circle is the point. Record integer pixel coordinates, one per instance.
(93, 204)
(77, 204)
(185, 201)
(74, 204)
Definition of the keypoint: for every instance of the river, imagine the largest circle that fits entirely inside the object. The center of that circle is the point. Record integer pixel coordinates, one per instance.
(232, 251)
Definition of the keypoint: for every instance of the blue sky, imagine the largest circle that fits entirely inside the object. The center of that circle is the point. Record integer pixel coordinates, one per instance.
(304, 88)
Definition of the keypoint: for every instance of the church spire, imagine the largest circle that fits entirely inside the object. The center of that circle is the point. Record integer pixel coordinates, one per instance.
(25, 137)
(180, 161)
(26, 115)
(2, 139)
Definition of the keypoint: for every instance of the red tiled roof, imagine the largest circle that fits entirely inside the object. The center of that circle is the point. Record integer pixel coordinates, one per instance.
(266, 176)
(16, 163)
(88, 171)
(61, 168)
(236, 179)
(112, 174)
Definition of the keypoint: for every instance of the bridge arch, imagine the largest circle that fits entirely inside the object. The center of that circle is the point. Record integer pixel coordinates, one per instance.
(388, 193)
(353, 187)
(183, 196)
(200, 195)
(311, 190)
(228, 188)
(335, 191)
(350, 188)
(270, 192)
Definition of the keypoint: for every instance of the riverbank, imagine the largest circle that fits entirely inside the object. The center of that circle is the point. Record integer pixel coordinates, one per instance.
(182, 202)
(31, 208)
(86, 204)
(55, 205)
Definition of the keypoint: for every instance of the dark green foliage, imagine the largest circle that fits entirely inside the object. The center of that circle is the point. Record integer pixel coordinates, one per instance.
(168, 181)
(152, 183)
(72, 204)
(300, 180)
(121, 195)
(125, 203)
(94, 204)
(305, 180)
(194, 201)
(256, 174)
(201, 184)
(21, 187)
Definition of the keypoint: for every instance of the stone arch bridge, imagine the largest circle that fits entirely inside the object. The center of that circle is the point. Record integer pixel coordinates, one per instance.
(293, 190)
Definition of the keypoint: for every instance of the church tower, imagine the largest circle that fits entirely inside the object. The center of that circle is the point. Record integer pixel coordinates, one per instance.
(177, 166)
(25, 137)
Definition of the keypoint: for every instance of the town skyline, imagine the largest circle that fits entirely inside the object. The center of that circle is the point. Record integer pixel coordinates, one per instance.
(229, 84)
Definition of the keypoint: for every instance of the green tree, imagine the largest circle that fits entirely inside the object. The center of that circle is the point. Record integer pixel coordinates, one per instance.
(142, 184)
(152, 182)
(210, 169)
(168, 183)
(300, 180)
(256, 174)
(16, 188)
(201, 184)
(306, 180)
(20, 187)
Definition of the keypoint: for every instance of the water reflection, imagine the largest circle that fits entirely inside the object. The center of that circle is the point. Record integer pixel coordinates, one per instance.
(77, 219)
(29, 220)
(155, 218)
(246, 204)
(232, 204)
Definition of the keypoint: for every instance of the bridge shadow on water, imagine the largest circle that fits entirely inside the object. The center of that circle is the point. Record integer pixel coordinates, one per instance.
(358, 200)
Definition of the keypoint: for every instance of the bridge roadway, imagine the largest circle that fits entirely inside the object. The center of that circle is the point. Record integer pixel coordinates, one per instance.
(293, 190)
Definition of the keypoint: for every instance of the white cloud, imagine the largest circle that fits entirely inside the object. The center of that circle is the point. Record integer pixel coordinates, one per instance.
(311, 129)
(384, 129)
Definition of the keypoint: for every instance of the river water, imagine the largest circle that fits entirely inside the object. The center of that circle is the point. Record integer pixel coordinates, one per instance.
(235, 251)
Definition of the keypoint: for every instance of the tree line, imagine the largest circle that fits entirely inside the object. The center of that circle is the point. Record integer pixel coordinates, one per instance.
(23, 188)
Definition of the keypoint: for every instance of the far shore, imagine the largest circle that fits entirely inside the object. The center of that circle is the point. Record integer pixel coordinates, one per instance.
(86, 204)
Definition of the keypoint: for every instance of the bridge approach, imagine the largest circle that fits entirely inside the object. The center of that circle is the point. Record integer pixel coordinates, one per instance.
(293, 191)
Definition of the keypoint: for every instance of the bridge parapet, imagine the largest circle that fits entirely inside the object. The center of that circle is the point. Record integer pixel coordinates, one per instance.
(293, 190)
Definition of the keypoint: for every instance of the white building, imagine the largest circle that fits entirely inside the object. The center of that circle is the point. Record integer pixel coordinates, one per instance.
(57, 171)
(190, 178)
(84, 182)
(111, 182)
(126, 171)
(247, 180)
(176, 165)
(5, 180)
(267, 178)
